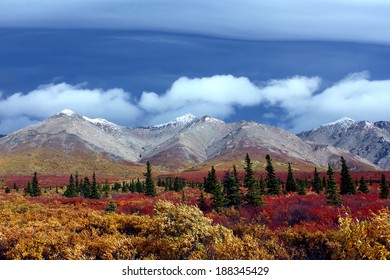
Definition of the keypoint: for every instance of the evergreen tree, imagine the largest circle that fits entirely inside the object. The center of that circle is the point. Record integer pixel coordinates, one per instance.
(7, 190)
(202, 200)
(35, 188)
(125, 187)
(363, 188)
(86, 189)
(177, 186)
(132, 187)
(231, 190)
(77, 183)
(95, 190)
(139, 186)
(168, 184)
(317, 186)
(219, 200)
(384, 189)
(71, 188)
(111, 207)
(106, 189)
(346, 185)
(272, 185)
(291, 186)
(253, 196)
(159, 182)
(210, 183)
(27, 190)
(150, 189)
(117, 186)
(301, 187)
(332, 194)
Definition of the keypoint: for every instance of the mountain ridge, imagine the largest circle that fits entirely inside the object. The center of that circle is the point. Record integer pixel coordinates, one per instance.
(176, 145)
(370, 140)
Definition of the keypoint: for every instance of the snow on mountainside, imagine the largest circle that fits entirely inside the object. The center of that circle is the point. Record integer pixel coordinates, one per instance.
(342, 122)
(370, 140)
(185, 141)
(179, 121)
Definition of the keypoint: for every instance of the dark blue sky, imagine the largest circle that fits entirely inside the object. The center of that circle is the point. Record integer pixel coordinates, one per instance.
(86, 63)
(150, 61)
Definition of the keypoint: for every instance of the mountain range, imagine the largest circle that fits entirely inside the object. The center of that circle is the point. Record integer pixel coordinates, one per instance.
(69, 141)
(369, 140)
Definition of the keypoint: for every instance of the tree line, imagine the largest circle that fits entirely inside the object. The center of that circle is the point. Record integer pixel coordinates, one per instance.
(228, 192)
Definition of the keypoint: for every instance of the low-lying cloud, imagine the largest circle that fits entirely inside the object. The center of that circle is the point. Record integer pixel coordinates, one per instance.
(22, 109)
(301, 101)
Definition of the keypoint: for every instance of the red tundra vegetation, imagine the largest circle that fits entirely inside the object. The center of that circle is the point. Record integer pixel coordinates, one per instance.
(170, 225)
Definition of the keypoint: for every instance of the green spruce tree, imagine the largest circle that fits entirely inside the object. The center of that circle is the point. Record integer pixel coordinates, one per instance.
(27, 189)
(150, 189)
(363, 188)
(317, 185)
(219, 200)
(86, 190)
(384, 189)
(71, 188)
(252, 196)
(111, 207)
(301, 187)
(231, 190)
(291, 185)
(332, 193)
(95, 190)
(346, 185)
(210, 183)
(139, 186)
(35, 188)
(272, 184)
(202, 200)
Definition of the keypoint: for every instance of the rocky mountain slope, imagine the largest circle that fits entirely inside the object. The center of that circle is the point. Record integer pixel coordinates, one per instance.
(370, 140)
(182, 143)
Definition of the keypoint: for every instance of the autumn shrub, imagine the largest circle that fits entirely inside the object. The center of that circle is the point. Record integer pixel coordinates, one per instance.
(30, 231)
(262, 238)
(56, 229)
(364, 239)
(301, 244)
(175, 232)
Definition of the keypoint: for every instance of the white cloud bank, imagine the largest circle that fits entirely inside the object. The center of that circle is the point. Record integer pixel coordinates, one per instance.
(351, 20)
(303, 103)
(19, 109)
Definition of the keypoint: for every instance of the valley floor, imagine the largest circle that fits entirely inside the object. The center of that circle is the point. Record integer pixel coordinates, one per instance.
(171, 226)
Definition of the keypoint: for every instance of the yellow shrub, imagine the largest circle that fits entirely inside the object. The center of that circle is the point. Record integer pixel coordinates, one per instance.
(367, 240)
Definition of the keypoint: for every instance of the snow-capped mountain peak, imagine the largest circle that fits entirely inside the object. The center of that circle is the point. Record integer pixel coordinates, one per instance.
(343, 121)
(67, 112)
(182, 120)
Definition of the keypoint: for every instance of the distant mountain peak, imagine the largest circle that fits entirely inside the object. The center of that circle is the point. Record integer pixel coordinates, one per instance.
(343, 121)
(211, 119)
(182, 120)
(67, 112)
